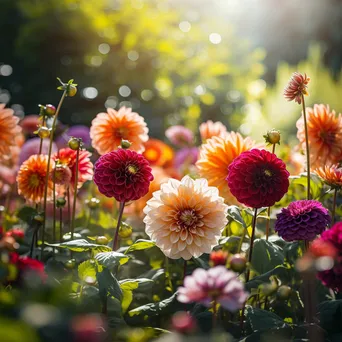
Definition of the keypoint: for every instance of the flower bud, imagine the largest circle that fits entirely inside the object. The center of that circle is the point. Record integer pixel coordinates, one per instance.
(272, 137)
(39, 218)
(70, 264)
(102, 240)
(284, 292)
(72, 90)
(268, 289)
(237, 263)
(125, 230)
(125, 144)
(50, 110)
(92, 203)
(43, 132)
(74, 143)
(183, 323)
(218, 258)
(60, 202)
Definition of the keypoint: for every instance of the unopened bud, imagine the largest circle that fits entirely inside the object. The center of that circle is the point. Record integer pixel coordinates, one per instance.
(92, 203)
(284, 292)
(272, 137)
(43, 132)
(70, 264)
(238, 263)
(60, 202)
(102, 240)
(74, 143)
(39, 218)
(125, 144)
(125, 230)
(50, 110)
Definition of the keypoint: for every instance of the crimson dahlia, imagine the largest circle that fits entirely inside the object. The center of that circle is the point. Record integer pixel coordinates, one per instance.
(123, 174)
(257, 178)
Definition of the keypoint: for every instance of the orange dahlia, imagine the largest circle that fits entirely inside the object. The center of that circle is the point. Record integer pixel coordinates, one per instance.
(325, 135)
(108, 129)
(211, 129)
(215, 157)
(331, 174)
(67, 157)
(31, 178)
(9, 129)
(157, 152)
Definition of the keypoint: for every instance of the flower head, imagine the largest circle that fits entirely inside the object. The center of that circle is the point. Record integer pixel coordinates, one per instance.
(216, 284)
(123, 174)
(333, 277)
(31, 178)
(185, 157)
(29, 124)
(211, 129)
(180, 135)
(62, 174)
(185, 218)
(67, 157)
(157, 152)
(257, 178)
(331, 174)
(9, 129)
(108, 129)
(31, 147)
(302, 220)
(297, 87)
(325, 135)
(215, 157)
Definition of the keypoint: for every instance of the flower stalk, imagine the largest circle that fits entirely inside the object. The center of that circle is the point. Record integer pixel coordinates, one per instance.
(250, 254)
(75, 195)
(333, 210)
(268, 222)
(116, 237)
(307, 147)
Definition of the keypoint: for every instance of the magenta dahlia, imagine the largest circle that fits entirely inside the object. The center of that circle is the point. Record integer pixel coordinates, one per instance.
(302, 220)
(257, 178)
(123, 174)
(333, 277)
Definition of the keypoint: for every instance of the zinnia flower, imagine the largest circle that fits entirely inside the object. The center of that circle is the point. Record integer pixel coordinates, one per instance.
(302, 220)
(325, 135)
(179, 135)
(257, 178)
(215, 157)
(185, 218)
(333, 277)
(108, 129)
(67, 157)
(332, 175)
(123, 174)
(211, 129)
(31, 178)
(214, 285)
(157, 152)
(297, 87)
(9, 129)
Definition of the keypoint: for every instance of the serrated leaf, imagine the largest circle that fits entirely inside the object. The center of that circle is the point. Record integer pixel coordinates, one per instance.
(80, 245)
(140, 245)
(111, 259)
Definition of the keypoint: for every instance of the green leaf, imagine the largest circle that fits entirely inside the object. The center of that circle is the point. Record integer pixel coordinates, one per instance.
(111, 259)
(27, 214)
(330, 313)
(108, 284)
(266, 256)
(133, 284)
(127, 298)
(80, 245)
(235, 214)
(140, 245)
(88, 269)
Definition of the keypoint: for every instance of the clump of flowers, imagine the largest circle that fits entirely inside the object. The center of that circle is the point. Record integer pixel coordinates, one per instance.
(211, 129)
(333, 277)
(215, 157)
(217, 285)
(257, 178)
(331, 175)
(297, 87)
(302, 220)
(31, 178)
(109, 129)
(180, 136)
(123, 174)
(185, 218)
(324, 135)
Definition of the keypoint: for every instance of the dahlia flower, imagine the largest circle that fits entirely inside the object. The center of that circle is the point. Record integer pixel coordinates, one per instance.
(185, 218)
(215, 157)
(185, 157)
(108, 129)
(297, 87)
(324, 134)
(31, 147)
(30, 123)
(302, 220)
(123, 174)
(211, 129)
(157, 152)
(180, 136)
(9, 129)
(31, 178)
(257, 178)
(67, 157)
(217, 285)
(332, 175)
(333, 277)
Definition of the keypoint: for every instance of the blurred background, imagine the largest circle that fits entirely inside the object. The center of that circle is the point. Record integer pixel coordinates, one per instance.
(172, 61)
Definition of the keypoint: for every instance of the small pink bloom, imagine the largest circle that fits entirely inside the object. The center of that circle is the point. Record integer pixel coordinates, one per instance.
(180, 135)
(211, 129)
(296, 87)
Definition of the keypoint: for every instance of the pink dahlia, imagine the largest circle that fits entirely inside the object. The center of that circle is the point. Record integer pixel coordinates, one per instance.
(333, 277)
(123, 174)
(297, 87)
(257, 178)
(180, 135)
(214, 285)
(302, 220)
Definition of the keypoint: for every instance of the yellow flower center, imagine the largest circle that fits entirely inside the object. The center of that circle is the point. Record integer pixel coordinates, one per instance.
(34, 180)
(120, 132)
(132, 169)
(267, 173)
(188, 217)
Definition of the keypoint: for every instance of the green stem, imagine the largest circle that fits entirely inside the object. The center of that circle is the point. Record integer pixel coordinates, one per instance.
(214, 314)
(184, 270)
(167, 273)
(116, 237)
(60, 224)
(69, 207)
(307, 148)
(333, 208)
(54, 212)
(75, 195)
(48, 169)
(41, 139)
(268, 222)
(251, 243)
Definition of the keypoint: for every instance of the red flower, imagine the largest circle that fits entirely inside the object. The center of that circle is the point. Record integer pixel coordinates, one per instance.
(17, 233)
(219, 257)
(297, 87)
(123, 174)
(257, 178)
